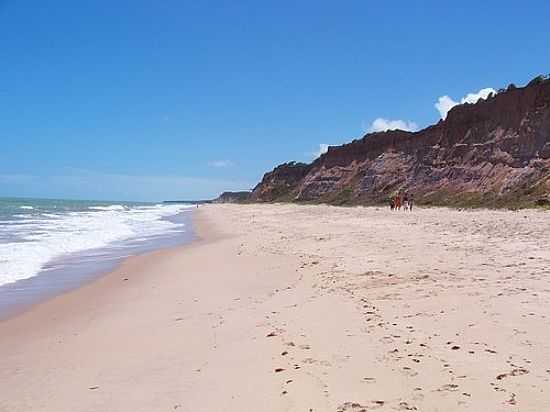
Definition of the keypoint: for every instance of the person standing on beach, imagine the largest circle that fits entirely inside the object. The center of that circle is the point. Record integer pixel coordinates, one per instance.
(410, 203)
(398, 202)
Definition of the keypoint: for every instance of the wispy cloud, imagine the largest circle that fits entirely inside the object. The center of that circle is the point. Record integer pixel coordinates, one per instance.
(445, 103)
(381, 125)
(86, 184)
(220, 163)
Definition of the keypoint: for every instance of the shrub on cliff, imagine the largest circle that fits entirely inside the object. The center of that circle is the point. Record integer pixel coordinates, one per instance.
(538, 80)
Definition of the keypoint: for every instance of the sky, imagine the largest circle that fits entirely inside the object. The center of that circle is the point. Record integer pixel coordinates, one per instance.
(143, 100)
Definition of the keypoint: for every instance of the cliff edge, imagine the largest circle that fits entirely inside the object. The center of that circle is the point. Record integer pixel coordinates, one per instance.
(495, 152)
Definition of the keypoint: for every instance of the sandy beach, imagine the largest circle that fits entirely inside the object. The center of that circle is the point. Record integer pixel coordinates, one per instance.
(301, 308)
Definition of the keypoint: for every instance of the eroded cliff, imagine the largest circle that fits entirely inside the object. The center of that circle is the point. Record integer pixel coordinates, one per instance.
(494, 153)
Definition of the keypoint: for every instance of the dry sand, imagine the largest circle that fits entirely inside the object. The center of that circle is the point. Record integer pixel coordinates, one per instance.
(302, 308)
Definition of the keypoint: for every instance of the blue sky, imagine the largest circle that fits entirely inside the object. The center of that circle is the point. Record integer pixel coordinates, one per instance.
(142, 100)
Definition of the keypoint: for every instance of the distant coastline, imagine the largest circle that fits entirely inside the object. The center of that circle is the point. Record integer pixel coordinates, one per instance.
(185, 202)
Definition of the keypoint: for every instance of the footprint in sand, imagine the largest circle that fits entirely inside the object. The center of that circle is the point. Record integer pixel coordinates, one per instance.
(513, 372)
(357, 407)
(409, 371)
(450, 387)
(274, 333)
(404, 406)
(497, 388)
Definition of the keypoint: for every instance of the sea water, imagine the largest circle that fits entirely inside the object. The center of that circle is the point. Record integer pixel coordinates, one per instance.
(49, 246)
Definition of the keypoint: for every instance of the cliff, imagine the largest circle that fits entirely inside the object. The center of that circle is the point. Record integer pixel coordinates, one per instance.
(281, 182)
(495, 152)
(233, 197)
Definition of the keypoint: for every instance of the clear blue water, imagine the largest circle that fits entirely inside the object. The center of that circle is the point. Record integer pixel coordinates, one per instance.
(50, 246)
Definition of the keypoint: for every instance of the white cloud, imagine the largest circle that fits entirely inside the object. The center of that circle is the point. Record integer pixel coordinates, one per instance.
(445, 103)
(220, 163)
(323, 148)
(381, 125)
(474, 97)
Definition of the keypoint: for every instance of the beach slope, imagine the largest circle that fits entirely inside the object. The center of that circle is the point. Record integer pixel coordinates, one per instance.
(301, 308)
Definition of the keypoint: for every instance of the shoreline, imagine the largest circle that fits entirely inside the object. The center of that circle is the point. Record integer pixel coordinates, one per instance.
(291, 308)
(79, 269)
(119, 268)
(73, 340)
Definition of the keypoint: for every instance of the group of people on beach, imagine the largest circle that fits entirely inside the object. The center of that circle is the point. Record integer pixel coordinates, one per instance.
(402, 200)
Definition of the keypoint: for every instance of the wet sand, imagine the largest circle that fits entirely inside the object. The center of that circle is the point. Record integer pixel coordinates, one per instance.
(302, 308)
(72, 271)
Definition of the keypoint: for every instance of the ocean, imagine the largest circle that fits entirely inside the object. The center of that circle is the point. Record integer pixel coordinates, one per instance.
(50, 246)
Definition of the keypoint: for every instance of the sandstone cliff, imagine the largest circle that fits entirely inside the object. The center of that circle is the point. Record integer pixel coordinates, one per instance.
(494, 153)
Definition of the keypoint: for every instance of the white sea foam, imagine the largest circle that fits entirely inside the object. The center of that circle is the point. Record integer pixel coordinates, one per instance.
(36, 241)
(26, 207)
(110, 207)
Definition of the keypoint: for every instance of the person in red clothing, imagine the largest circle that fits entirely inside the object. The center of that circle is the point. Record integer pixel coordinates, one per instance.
(398, 202)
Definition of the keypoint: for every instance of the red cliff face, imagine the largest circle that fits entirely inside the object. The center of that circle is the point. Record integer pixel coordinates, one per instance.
(495, 152)
(280, 183)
